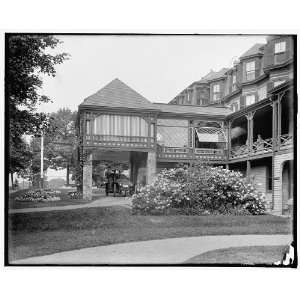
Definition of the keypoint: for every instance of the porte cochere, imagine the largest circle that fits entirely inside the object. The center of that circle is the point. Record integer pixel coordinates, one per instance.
(117, 123)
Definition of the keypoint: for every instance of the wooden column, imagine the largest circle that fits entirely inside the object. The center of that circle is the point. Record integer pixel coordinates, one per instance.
(151, 167)
(250, 131)
(275, 124)
(279, 121)
(228, 128)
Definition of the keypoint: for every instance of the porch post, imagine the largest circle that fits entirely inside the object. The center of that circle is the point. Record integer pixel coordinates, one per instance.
(275, 124)
(87, 178)
(279, 120)
(250, 132)
(228, 139)
(151, 166)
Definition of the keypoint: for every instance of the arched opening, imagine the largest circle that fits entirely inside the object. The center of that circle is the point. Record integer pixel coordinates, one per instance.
(287, 187)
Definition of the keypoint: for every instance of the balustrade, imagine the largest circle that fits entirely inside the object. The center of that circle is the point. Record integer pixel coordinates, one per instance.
(190, 153)
(286, 141)
(119, 141)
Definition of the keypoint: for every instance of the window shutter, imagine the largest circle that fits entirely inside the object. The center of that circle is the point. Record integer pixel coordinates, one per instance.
(242, 102)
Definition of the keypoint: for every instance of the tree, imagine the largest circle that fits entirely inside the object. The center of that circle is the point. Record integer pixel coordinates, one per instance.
(64, 123)
(28, 57)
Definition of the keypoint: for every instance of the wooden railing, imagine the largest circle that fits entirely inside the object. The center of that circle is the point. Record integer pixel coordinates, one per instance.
(190, 153)
(262, 146)
(239, 151)
(119, 141)
(286, 141)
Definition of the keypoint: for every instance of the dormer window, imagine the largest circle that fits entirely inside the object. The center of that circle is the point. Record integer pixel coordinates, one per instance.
(250, 99)
(216, 92)
(233, 82)
(250, 70)
(280, 50)
(280, 47)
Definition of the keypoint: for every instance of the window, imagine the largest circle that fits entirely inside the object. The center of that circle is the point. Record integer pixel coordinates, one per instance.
(262, 92)
(216, 92)
(278, 82)
(216, 88)
(235, 106)
(233, 82)
(250, 99)
(250, 70)
(280, 47)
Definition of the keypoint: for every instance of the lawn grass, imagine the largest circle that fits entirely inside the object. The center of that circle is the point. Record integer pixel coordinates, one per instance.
(65, 200)
(42, 233)
(241, 255)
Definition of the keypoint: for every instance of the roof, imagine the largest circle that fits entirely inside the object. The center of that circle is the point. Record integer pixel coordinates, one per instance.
(212, 75)
(117, 94)
(191, 109)
(255, 49)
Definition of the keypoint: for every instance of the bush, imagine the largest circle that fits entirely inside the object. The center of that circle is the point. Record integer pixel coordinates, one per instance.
(75, 195)
(45, 195)
(199, 190)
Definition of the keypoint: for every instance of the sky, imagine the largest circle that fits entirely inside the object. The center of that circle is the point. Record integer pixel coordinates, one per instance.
(158, 67)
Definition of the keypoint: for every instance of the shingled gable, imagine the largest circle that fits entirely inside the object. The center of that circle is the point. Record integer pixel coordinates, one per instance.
(117, 94)
(255, 49)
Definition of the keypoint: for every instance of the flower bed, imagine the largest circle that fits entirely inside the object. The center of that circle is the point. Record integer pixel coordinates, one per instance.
(199, 190)
(45, 195)
(75, 195)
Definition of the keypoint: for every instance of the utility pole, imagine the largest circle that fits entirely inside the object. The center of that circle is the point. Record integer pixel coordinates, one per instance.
(42, 160)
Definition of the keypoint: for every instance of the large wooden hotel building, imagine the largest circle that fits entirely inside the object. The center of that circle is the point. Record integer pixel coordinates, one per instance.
(241, 118)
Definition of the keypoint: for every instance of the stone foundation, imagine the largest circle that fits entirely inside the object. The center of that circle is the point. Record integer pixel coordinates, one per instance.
(87, 178)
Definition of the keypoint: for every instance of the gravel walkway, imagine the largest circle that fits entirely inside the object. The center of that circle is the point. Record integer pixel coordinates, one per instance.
(166, 251)
(105, 201)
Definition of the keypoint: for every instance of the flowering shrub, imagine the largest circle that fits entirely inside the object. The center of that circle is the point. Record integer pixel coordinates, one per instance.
(75, 195)
(199, 190)
(46, 195)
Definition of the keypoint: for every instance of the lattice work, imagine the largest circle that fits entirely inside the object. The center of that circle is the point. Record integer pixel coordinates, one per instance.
(172, 122)
(172, 136)
(211, 134)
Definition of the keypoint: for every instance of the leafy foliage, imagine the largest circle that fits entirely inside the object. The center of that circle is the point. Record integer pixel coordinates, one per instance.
(27, 59)
(40, 196)
(199, 190)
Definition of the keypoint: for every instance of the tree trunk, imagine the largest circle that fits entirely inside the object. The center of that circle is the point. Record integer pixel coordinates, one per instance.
(68, 174)
(12, 180)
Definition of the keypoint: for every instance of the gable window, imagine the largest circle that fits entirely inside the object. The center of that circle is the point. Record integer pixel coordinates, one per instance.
(216, 92)
(250, 99)
(280, 47)
(250, 70)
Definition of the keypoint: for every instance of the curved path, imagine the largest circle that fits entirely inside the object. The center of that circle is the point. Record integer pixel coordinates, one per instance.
(166, 251)
(102, 202)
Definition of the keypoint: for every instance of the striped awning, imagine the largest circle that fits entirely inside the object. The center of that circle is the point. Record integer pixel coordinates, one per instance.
(210, 134)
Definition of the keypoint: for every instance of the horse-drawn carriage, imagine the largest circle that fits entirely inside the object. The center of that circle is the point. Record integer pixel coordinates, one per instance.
(117, 183)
